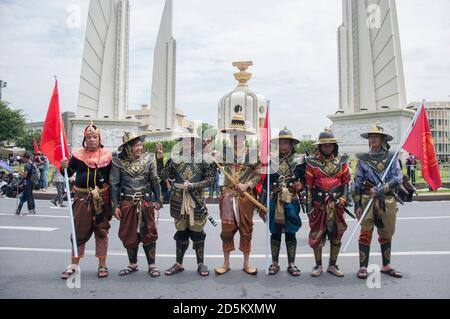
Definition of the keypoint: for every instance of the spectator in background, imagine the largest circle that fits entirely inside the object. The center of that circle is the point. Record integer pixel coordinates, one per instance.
(407, 189)
(58, 180)
(40, 165)
(43, 183)
(411, 168)
(27, 195)
(220, 181)
(214, 188)
(10, 160)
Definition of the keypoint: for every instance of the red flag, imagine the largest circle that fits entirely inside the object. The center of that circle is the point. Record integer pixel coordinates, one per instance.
(51, 135)
(36, 147)
(264, 137)
(420, 144)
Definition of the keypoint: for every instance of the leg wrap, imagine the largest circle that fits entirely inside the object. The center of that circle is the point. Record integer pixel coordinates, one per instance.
(150, 253)
(199, 247)
(364, 252)
(275, 247)
(335, 246)
(386, 253)
(132, 255)
(291, 247)
(318, 256)
(182, 246)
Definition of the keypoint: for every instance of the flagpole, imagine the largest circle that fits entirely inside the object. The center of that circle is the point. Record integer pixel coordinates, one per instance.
(69, 197)
(268, 189)
(394, 158)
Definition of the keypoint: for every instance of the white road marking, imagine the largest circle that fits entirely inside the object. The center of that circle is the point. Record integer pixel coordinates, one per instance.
(38, 216)
(258, 256)
(46, 229)
(255, 221)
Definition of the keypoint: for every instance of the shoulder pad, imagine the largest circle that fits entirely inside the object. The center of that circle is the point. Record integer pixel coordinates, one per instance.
(116, 161)
(297, 159)
(344, 158)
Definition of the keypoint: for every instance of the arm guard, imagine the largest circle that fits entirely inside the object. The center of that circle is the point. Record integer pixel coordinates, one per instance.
(114, 186)
(357, 197)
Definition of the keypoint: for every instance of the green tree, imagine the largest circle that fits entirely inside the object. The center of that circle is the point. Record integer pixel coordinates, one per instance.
(212, 131)
(306, 147)
(26, 141)
(151, 146)
(12, 123)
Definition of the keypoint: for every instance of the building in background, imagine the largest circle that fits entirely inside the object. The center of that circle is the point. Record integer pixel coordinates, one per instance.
(103, 89)
(438, 114)
(371, 78)
(143, 116)
(162, 112)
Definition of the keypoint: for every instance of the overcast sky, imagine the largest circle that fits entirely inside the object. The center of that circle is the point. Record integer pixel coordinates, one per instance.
(292, 43)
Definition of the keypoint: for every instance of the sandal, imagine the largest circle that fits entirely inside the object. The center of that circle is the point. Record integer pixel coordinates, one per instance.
(274, 269)
(294, 271)
(69, 271)
(154, 272)
(175, 269)
(362, 273)
(251, 271)
(203, 270)
(221, 270)
(102, 272)
(128, 270)
(392, 272)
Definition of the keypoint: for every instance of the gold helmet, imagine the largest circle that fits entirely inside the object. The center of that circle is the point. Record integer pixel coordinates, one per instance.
(91, 129)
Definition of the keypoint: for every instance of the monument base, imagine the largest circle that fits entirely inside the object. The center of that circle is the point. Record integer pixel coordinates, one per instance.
(111, 131)
(156, 136)
(347, 128)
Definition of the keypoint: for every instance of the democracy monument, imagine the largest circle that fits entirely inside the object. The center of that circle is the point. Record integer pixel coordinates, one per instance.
(371, 78)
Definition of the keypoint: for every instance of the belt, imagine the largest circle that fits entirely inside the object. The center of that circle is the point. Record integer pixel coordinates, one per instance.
(137, 199)
(85, 191)
(134, 198)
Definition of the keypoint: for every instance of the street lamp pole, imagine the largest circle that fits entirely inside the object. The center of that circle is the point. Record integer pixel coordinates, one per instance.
(3, 84)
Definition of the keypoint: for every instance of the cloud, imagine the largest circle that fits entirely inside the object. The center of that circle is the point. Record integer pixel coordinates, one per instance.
(292, 43)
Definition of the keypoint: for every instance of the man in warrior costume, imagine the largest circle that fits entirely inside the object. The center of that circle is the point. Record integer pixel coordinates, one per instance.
(92, 209)
(285, 178)
(136, 194)
(190, 177)
(241, 168)
(383, 211)
(327, 180)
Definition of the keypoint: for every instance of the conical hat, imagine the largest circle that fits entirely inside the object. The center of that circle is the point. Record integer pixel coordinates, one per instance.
(285, 134)
(238, 126)
(129, 137)
(326, 137)
(377, 129)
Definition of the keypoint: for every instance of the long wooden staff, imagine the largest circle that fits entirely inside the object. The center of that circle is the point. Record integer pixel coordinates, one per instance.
(235, 183)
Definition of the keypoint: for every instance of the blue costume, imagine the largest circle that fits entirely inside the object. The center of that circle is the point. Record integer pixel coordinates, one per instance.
(382, 212)
(284, 203)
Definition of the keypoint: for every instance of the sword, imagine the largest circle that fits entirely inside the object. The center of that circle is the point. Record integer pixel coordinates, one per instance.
(336, 202)
(235, 211)
(197, 202)
(235, 183)
(397, 198)
(299, 194)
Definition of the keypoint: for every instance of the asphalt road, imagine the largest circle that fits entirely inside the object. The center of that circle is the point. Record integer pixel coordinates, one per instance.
(35, 249)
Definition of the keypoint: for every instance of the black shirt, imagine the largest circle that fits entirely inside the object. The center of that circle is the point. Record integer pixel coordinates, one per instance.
(79, 167)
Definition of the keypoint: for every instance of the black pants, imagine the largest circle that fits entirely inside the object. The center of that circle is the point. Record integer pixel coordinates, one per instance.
(59, 198)
(411, 172)
(27, 196)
